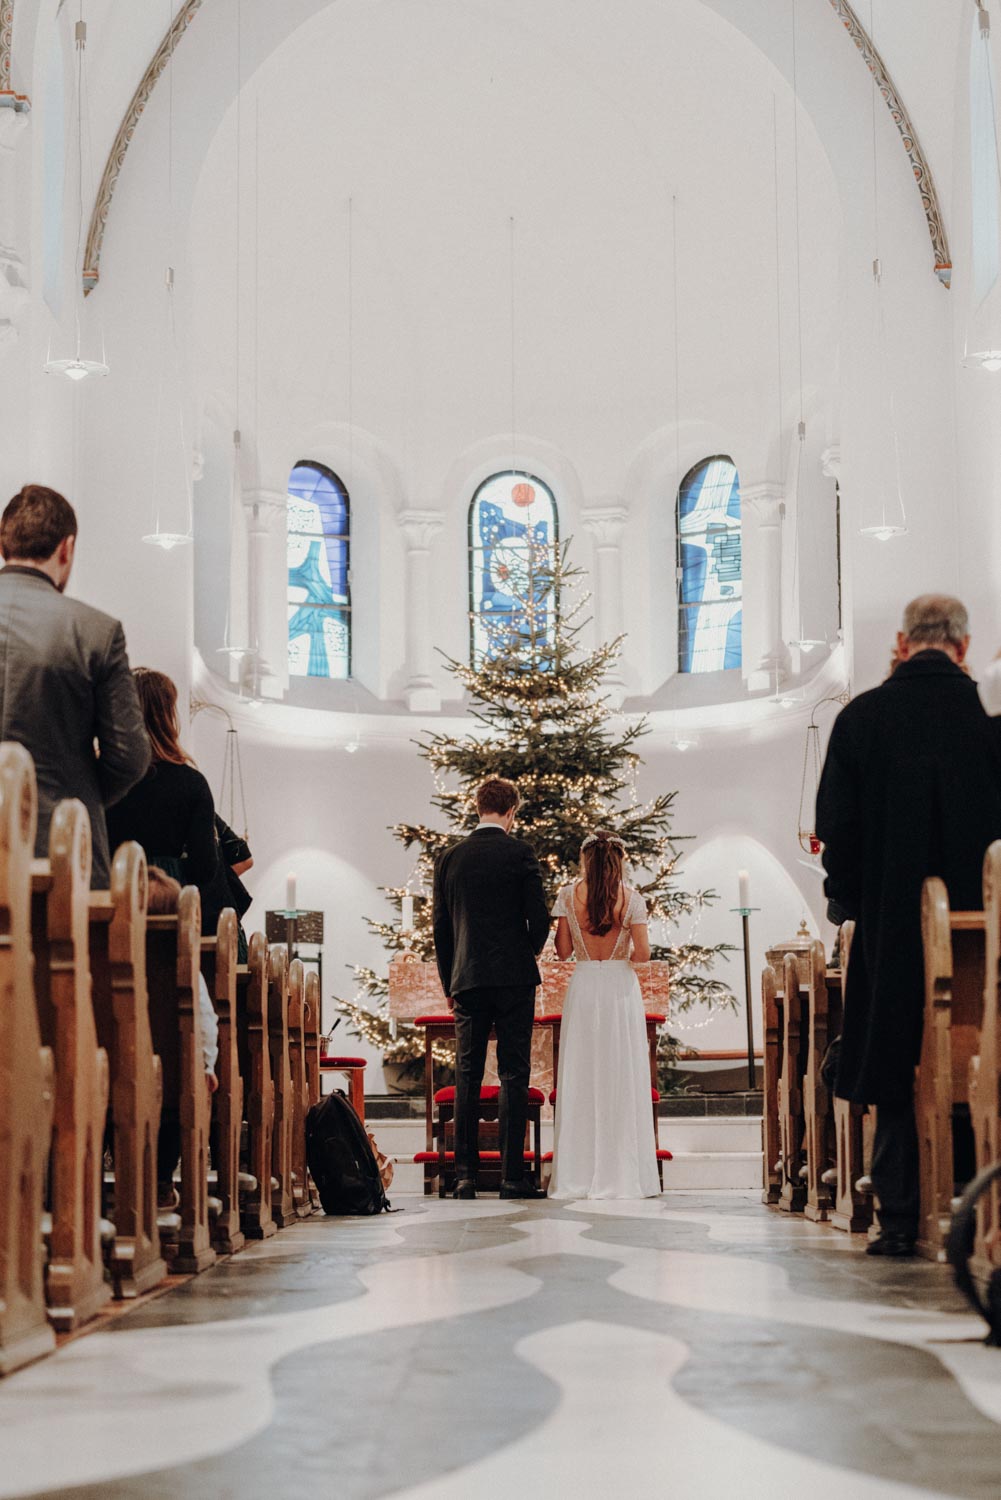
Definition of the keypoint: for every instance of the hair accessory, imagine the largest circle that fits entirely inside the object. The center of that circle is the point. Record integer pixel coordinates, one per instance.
(612, 838)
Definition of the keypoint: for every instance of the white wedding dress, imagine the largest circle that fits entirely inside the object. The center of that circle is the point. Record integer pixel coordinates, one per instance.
(604, 1123)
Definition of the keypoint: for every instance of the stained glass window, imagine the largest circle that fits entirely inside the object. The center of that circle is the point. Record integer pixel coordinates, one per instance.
(319, 580)
(513, 528)
(709, 568)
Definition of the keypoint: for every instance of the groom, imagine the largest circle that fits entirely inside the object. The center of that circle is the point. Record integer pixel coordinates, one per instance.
(490, 923)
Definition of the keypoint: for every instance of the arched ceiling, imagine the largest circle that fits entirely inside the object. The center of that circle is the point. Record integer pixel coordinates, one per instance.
(917, 39)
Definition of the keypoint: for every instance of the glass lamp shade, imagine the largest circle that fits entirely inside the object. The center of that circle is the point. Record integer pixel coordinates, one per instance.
(988, 360)
(168, 540)
(883, 532)
(77, 368)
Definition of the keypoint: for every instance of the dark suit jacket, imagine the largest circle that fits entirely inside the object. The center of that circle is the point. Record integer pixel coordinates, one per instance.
(911, 787)
(490, 914)
(64, 683)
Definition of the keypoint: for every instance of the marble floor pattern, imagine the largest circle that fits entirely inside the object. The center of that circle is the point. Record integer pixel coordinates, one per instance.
(693, 1345)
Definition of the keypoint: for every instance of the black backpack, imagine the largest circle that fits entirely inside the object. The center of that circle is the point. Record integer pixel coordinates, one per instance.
(341, 1160)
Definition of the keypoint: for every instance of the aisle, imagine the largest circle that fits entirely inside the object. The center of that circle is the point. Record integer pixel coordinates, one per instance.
(691, 1346)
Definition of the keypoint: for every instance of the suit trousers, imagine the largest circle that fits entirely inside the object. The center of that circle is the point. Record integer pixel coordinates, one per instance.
(895, 1168)
(510, 1010)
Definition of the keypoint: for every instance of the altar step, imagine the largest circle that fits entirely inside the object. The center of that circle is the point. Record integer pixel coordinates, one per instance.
(711, 1153)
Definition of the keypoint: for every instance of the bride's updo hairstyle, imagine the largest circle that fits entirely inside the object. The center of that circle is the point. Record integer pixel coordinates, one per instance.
(602, 856)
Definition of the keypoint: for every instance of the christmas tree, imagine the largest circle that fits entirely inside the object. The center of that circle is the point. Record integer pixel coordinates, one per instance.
(539, 718)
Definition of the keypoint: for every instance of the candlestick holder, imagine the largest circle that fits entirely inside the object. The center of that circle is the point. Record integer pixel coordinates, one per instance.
(745, 920)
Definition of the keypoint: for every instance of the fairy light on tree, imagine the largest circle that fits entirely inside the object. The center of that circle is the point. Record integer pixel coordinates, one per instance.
(540, 717)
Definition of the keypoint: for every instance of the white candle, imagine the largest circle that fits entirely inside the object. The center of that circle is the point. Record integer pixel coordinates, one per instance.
(407, 914)
(290, 893)
(744, 889)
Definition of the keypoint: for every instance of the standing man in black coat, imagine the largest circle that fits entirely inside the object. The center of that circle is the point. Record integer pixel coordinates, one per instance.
(911, 787)
(490, 924)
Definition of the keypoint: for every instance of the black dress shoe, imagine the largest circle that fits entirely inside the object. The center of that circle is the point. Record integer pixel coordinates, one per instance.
(899, 1246)
(465, 1189)
(523, 1189)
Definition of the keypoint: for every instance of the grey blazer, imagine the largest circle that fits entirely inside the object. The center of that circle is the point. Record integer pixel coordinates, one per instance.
(64, 685)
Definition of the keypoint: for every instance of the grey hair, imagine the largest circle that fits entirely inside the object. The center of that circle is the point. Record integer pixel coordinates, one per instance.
(936, 620)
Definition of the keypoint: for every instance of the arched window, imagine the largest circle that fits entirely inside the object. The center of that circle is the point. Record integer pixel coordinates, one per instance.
(319, 577)
(513, 528)
(709, 573)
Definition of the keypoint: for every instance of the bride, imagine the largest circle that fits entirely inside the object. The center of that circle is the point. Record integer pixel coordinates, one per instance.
(604, 1128)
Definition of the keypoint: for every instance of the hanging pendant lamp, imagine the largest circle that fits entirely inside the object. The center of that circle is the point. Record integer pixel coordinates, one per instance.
(78, 366)
(982, 345)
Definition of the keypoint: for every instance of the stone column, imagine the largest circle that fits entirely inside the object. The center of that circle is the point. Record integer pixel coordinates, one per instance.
(419, 528)
(762, 514)
(606, 524)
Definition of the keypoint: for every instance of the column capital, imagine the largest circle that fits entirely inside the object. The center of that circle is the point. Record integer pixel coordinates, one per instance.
(830, 461)
(605, 523)
(265, 508)
(766, 501)
(419, 527)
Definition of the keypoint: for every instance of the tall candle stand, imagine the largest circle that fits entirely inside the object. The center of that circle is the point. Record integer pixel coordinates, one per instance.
(745, 918)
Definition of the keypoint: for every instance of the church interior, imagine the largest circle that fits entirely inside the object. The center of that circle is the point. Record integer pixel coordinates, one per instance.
(699, 301)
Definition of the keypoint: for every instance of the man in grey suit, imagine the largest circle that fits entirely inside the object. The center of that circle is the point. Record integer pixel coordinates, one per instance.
(491, 922)
(66, 691)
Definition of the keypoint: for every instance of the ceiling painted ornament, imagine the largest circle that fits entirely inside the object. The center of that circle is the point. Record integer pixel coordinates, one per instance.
(919, 165)
(122, 141)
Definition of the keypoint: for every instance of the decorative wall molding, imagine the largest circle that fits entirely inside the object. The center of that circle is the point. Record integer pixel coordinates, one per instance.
(122, 141)
(919, 165)
(6, 40)
(19, 103)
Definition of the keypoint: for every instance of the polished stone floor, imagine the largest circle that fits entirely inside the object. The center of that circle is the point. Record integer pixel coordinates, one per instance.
(688, 1346)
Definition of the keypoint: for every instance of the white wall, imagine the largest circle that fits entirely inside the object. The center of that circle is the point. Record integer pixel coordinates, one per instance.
(440, 122)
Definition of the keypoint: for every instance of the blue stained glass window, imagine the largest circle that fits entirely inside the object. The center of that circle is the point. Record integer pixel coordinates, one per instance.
(709, 568)
(319, 579)
(513, 528)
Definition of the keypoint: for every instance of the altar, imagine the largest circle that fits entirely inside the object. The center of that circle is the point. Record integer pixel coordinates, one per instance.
(416, 997)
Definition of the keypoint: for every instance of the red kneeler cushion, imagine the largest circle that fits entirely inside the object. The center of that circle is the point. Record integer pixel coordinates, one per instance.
(488, 1094)
(445, 1020)
(654, 1097)
(342, 1062)
(485, 1156)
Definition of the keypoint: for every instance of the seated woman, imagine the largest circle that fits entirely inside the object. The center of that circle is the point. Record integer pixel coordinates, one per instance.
(171, 812)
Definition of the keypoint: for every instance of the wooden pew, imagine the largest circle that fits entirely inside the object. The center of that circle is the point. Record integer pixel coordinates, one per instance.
(75, 1283)
(771, 1006)
(300, 1085)
(312, 1012)
(218, 958)
(256, 1217)
(27, 1073)
(985, 1091)
(792, 1194)
(773, 1024)
(173, 952)
(823, 991)
(954, 956)
(853, 1127)
(283, 1202)
(121, 1009)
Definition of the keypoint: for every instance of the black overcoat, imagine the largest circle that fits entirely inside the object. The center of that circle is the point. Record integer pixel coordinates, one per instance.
(911, 787)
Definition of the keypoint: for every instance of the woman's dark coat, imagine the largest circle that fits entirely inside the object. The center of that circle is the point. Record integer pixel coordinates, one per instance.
(911, 787)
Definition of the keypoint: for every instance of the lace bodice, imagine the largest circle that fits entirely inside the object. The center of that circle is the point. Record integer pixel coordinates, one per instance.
(635, 912)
